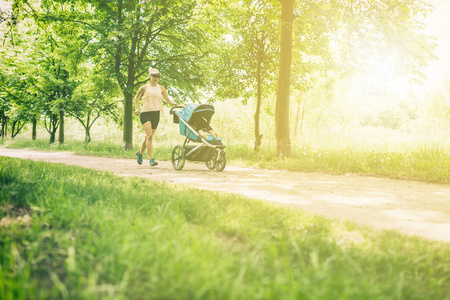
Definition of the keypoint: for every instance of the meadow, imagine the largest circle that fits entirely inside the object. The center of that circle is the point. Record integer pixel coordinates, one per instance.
(74, 233)
(422, 155)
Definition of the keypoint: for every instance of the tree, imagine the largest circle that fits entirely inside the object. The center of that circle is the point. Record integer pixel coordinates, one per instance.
(437, 107)
(362, 30)
(4, 109)
(245, 66)
(51, 80)
(282, 130)
(92, 99)
(38, 70)
(17, 104)
(128, 37)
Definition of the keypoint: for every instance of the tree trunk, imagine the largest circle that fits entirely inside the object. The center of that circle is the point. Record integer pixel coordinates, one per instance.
(16, 128)
(34, 130)
(87, 129)
(125, 85)
(128, 122)
(297, 119)
(53, 127)
(13, 128)
(303, 117)
(283, 147)
(128, 109)
(61, 127)
(316, 125)
(4, 122)
(87, 134)
(258, 137)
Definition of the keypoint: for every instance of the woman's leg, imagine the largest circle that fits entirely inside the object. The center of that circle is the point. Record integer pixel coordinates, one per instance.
(143, 146)
(148, 142)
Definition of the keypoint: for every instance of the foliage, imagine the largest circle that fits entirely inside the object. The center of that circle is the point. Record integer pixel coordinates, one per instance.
(127, 38)
(38, 72)
(249, 54)
(18, 104)
(385, 30)
(437, 110)
(206, 50)
(352, 37)
(249, 50)
(93, 99)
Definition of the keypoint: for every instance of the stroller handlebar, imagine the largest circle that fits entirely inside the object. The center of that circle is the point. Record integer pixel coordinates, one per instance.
(175, 107)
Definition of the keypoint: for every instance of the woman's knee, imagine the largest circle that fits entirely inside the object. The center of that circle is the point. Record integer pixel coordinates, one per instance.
(149, 137)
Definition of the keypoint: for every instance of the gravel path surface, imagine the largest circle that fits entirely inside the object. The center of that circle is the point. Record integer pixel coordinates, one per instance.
(411, 207)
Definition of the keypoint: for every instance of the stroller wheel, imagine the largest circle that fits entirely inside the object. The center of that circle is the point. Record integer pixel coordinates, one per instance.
(178, 158)
(212, 162)
(221, 161)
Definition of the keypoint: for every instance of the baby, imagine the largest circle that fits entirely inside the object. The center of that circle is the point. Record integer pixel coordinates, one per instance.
(203, 128)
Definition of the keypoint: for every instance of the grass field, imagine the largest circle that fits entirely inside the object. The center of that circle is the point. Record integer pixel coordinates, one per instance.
(424, 162)
(73, 233)
(415, 153)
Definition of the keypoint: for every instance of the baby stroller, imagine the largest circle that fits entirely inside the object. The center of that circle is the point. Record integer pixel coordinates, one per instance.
(209, 150)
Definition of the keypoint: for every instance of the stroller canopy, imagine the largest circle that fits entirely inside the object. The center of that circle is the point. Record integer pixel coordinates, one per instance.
(194, 110)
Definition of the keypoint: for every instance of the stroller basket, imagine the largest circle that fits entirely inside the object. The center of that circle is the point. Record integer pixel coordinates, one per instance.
(176, 119)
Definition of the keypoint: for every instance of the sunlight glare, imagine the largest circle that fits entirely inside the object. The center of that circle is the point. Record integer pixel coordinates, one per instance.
(382, 76)
(378, 87)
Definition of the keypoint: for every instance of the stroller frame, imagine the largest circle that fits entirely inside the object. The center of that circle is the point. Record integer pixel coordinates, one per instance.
(209, 151)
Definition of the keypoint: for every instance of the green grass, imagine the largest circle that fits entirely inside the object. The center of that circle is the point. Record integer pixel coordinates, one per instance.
(106, 149)
(93, 235)
(429, 162)
(425, 162)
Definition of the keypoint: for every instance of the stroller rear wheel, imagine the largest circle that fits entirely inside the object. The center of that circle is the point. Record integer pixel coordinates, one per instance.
(178, 157)
(220, 161)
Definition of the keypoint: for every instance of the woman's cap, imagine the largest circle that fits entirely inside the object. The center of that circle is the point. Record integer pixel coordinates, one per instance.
(153, 71)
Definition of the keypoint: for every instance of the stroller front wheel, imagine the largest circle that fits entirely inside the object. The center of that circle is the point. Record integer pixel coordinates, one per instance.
(178, 157)
(221, 161)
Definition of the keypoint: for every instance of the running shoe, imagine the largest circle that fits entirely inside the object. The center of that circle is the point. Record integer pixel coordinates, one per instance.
(139, 157)
(153, 162)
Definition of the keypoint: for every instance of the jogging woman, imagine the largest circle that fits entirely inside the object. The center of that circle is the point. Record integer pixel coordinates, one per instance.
(152, 107)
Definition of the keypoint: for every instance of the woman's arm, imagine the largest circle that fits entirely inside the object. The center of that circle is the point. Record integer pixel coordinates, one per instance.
(136, 99)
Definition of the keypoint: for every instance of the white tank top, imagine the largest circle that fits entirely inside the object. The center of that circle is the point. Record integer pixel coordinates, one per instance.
(151, 100)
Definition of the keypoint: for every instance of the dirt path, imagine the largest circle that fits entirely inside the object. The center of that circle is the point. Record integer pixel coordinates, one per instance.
(410, 207)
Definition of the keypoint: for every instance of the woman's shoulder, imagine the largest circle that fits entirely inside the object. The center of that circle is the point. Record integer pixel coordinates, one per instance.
(163, 89)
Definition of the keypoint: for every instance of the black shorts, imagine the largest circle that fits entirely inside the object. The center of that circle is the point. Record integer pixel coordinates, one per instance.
(150, 116)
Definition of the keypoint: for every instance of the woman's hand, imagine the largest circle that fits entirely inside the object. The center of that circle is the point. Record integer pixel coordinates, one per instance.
(136, 112)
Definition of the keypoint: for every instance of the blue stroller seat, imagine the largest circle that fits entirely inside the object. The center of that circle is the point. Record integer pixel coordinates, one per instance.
(199, 117)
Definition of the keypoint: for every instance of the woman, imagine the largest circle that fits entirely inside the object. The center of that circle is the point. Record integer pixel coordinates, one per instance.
(152, 107)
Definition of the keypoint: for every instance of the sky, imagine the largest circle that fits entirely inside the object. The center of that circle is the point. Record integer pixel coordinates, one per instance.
(439, 25)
